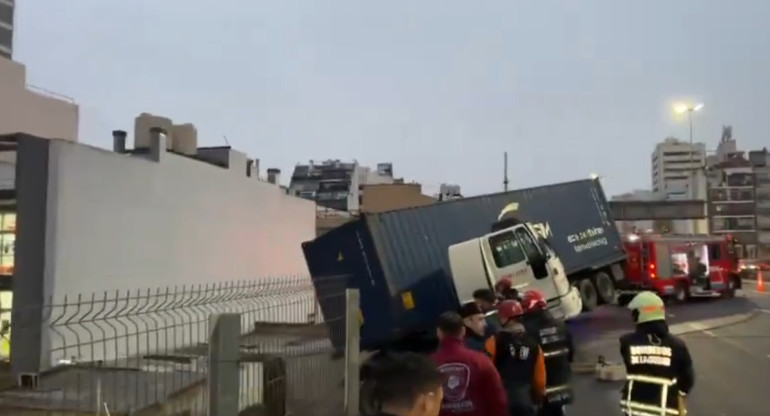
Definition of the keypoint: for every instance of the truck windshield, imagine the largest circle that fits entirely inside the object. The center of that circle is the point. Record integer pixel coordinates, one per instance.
(505, 249)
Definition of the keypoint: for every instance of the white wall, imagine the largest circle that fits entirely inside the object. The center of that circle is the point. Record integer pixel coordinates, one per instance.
(127, 223)
(120, 222)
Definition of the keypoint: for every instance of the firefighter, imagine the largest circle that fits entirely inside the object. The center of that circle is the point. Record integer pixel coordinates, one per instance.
(505, 290)
(556, 342)
(659, 369)
(520, 361)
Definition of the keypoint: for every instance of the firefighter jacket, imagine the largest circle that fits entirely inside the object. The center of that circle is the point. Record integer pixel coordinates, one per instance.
(519, 360)
(556, 342)
(659, 370)
(472, 386)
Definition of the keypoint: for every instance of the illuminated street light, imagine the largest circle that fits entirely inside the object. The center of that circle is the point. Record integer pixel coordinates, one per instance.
(682, 108)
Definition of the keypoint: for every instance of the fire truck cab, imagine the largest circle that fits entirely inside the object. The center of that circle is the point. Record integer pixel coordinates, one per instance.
(679, 267)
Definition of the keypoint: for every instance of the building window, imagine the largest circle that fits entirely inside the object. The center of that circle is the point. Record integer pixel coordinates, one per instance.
(732, 209)
(732, 224)
(6, 37)
(7, 243)
(6, 14)
(740, 179)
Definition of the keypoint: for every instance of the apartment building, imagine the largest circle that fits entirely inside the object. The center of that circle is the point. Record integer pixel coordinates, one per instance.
(731, 202)
(336, 184)
(760, 161)
(672, 162)
(7, 10)
(677, 174)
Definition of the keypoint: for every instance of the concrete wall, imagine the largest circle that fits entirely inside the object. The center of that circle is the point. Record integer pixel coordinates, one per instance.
(33, 111)
(91, 220)
(387, 197)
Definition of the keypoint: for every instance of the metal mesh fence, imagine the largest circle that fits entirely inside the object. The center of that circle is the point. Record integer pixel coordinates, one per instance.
(145, 352)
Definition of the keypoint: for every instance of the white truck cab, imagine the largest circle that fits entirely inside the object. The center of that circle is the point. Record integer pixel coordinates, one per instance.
(519, 253)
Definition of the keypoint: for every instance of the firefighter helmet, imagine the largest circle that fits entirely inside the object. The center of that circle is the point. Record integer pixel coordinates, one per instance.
(647, 307)
(534, 300)
(509, 309)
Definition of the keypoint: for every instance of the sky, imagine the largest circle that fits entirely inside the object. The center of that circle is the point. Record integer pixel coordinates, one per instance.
(441, 88)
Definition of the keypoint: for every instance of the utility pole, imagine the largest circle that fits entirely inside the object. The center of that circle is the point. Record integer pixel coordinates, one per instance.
(505, 171)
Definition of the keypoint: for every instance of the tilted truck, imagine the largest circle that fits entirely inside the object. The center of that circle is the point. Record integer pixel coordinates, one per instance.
(411, 265)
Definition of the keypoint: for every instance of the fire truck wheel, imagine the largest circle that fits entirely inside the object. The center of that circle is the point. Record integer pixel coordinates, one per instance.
(588, 293)
(731, 287)
(604, 287)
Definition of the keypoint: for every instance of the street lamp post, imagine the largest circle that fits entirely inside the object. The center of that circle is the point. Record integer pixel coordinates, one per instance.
(689, 109)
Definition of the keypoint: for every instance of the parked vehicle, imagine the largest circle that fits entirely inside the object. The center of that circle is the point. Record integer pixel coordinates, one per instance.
(669, 265)
(411, 265)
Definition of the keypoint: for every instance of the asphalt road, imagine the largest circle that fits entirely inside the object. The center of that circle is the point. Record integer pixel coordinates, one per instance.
(732, 363)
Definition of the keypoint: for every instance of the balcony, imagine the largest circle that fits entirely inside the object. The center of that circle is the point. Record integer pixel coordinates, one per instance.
(732, 209)
(732, 224)
(731, 195)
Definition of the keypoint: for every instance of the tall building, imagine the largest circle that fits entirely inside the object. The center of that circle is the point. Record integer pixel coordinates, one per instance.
(673, 162)
(677, 167)
(337, 185)
(732, 203)
(760, 160)
(6, 28)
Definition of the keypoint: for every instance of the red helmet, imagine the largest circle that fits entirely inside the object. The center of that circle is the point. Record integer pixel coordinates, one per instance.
(504, 283)
(534, 300)
(508, 309)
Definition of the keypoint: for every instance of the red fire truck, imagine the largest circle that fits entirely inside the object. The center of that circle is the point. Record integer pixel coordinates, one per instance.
(679, 267)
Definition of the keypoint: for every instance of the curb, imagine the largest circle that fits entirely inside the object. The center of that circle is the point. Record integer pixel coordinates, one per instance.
(707, 325)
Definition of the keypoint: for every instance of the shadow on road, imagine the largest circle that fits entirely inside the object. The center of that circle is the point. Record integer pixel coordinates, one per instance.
(610, 321)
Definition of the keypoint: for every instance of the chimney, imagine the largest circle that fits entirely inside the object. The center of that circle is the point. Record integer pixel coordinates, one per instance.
(274, 176)
(252, 170)
(119, 141)
(158, 137)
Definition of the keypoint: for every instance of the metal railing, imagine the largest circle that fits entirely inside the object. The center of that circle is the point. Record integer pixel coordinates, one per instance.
(147, 351)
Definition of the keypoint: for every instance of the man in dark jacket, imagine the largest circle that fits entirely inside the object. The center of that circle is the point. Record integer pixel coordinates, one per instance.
(656, 362)
(472, 386)
(405, 384)
(478, 335)
(554, 338)
(485, 298)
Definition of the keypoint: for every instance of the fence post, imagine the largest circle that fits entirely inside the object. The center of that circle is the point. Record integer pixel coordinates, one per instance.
(352, 351)
(224, 354)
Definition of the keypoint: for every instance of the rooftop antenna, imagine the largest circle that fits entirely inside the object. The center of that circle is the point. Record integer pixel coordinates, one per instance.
(505, 171)
(227, 142)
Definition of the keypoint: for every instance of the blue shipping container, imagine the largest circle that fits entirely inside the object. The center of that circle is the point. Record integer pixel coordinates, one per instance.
(399, 259)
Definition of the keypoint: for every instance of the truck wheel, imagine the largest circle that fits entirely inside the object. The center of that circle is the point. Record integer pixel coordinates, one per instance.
(605, 288)
(588, 294)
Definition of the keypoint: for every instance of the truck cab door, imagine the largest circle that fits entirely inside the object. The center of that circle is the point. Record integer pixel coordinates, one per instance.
(504, 257)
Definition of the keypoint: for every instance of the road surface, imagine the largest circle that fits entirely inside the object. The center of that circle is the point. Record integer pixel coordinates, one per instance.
(732, 364)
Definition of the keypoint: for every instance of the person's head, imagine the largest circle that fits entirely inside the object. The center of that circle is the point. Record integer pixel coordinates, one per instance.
(510, 312)
(473, 317)
(533, 301)
(485, 298)
(450, 325)
(403, 384)
(647, 307)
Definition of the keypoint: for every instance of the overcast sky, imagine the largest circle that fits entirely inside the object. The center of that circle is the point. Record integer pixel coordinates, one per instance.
(439, 87)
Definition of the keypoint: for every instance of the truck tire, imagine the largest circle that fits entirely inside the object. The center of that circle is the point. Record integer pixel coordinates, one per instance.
(605, 288)
(588, 294)
(733, 284)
